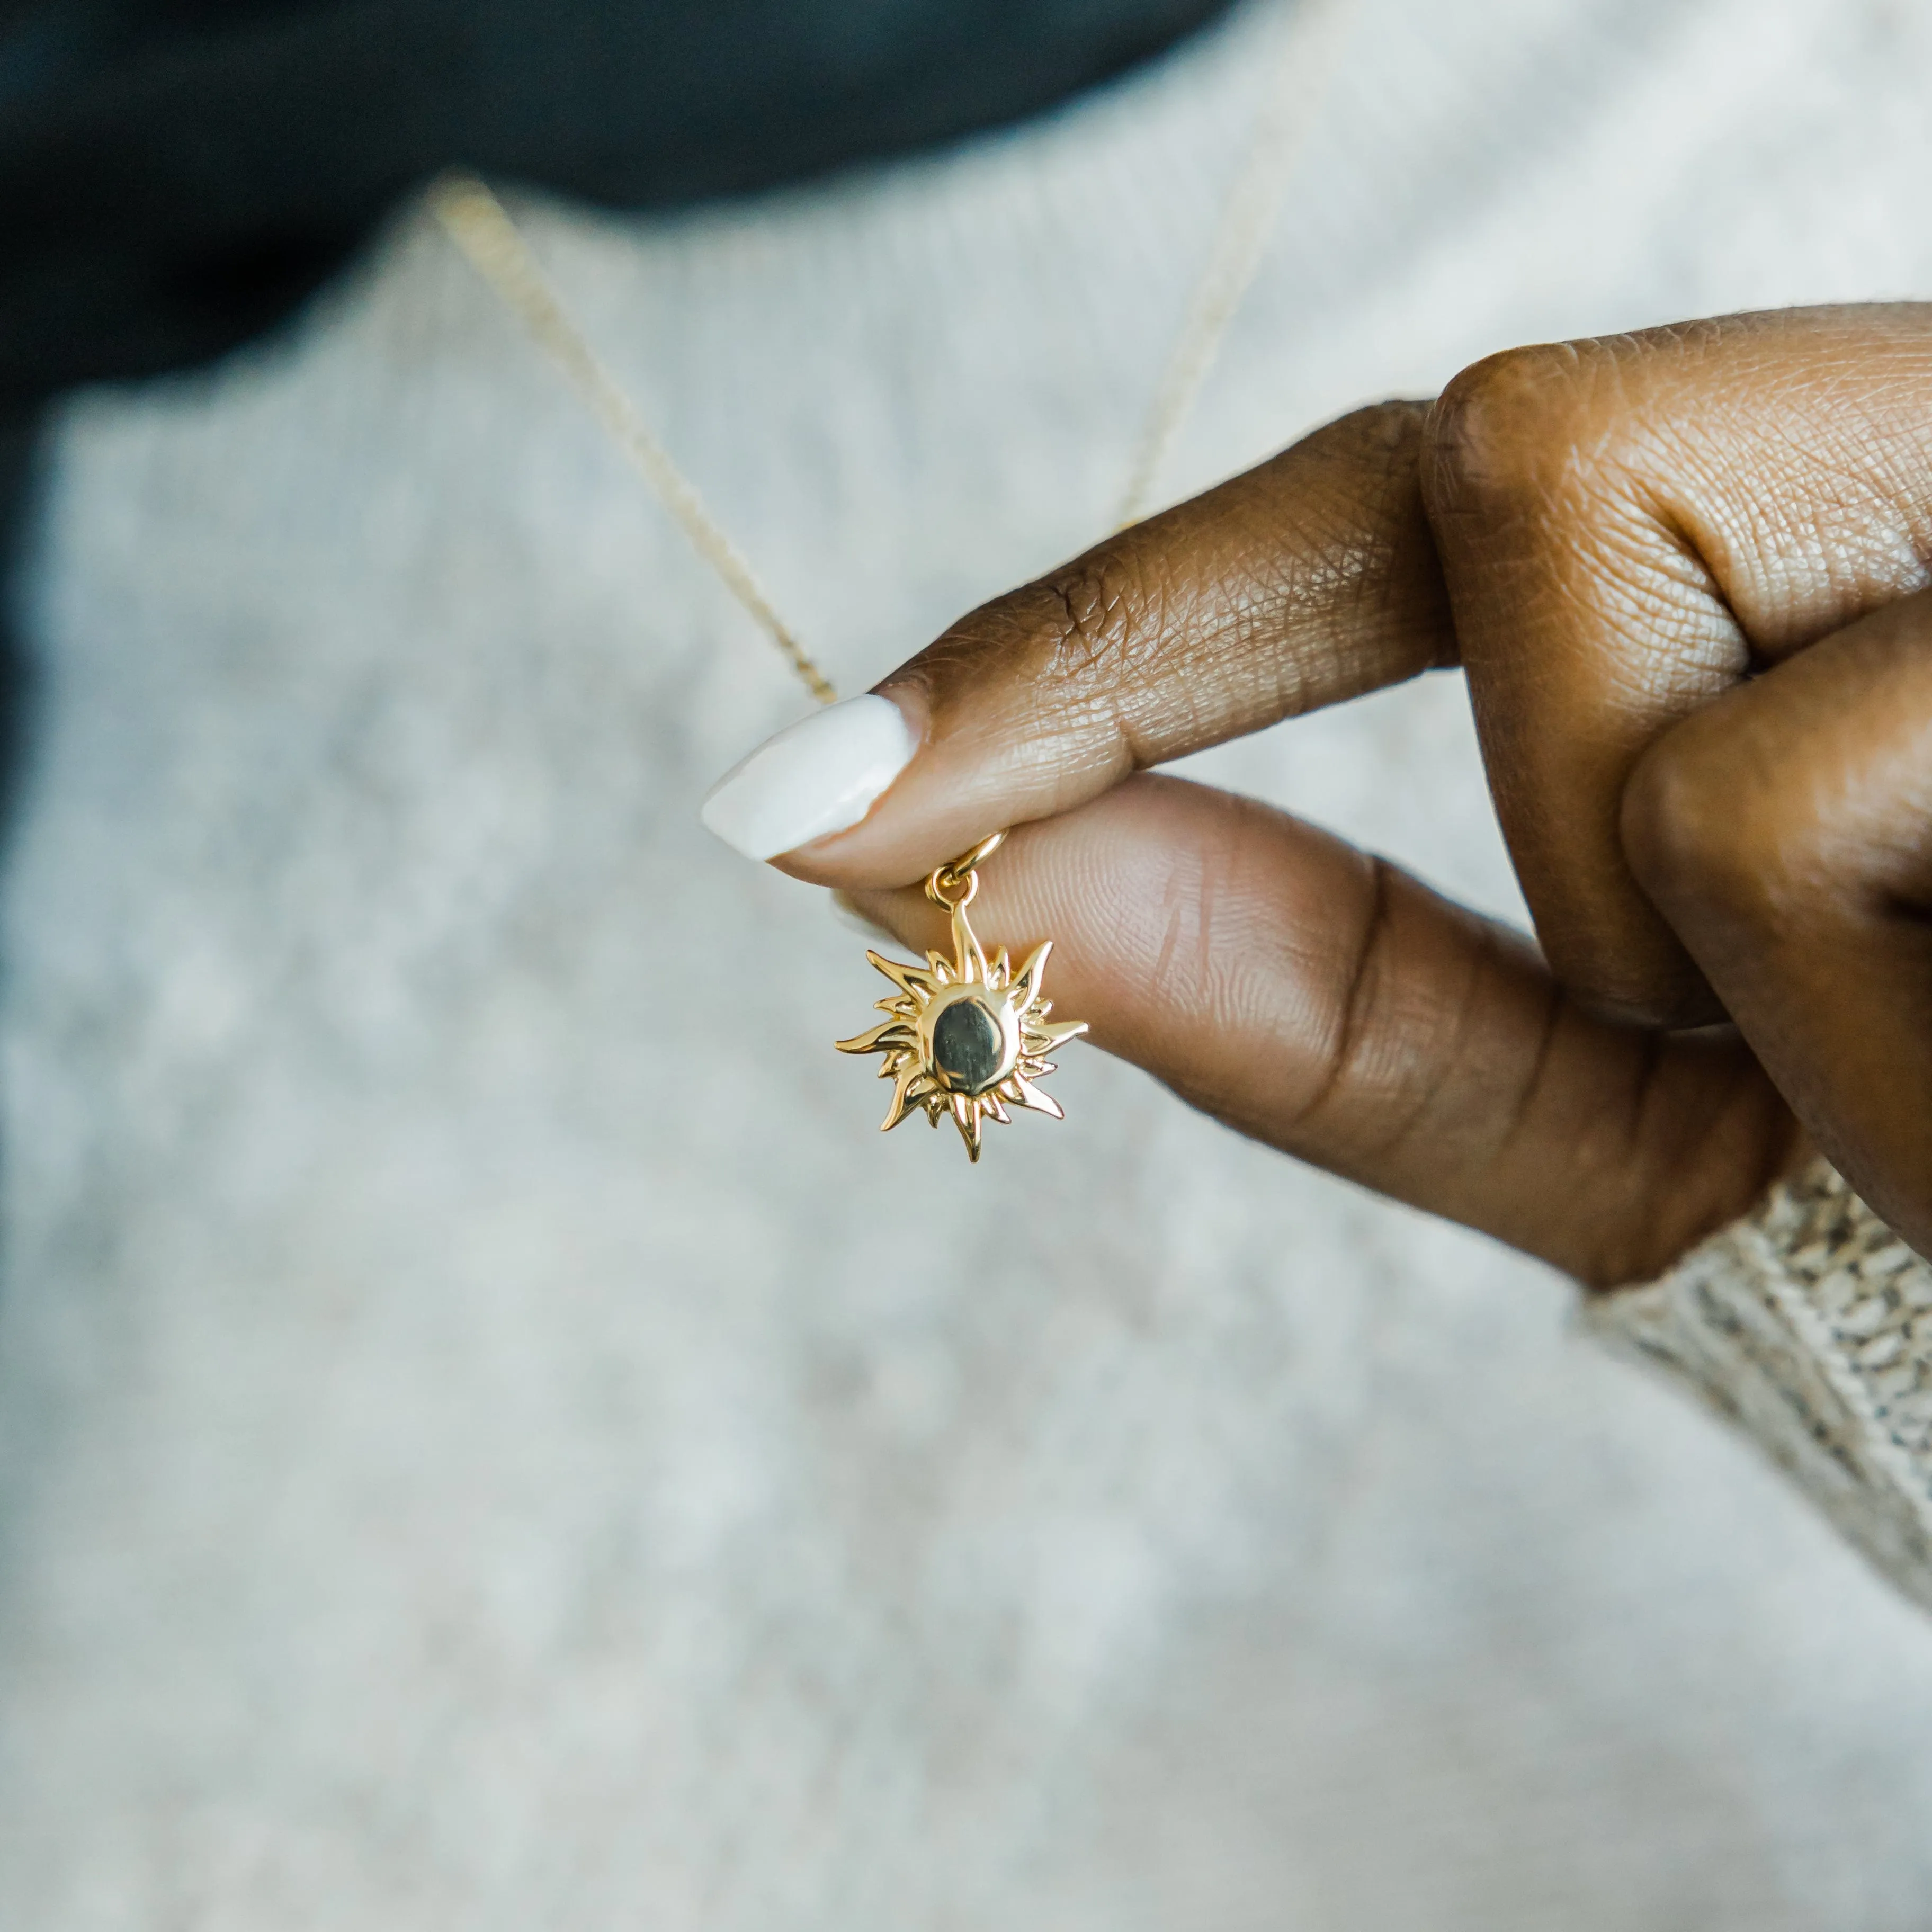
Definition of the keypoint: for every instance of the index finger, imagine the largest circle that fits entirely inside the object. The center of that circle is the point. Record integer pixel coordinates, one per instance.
(1308, 580)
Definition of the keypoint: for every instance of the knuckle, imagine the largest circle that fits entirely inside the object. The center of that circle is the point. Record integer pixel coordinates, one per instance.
(1513, 422)
(1709, 832)
(1100, 626)
(1097, 608)
(1063, 637)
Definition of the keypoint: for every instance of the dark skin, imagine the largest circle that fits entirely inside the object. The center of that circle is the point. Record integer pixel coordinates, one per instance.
(1684, 575)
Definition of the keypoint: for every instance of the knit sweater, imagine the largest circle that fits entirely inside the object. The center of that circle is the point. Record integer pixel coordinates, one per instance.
(1809, 1324)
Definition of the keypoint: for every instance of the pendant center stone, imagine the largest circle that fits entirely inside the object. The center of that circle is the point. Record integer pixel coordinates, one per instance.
(968, 1047)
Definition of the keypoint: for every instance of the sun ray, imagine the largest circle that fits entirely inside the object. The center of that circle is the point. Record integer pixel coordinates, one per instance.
(903, 1099)
(879, 1040)
(914, 982)
(966, 1115)
(966, 949)
(1029, 1096)
(1051, 1037)
(1026, 981)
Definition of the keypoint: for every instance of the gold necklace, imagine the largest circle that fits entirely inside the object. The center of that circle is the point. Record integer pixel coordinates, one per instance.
(966, 1037)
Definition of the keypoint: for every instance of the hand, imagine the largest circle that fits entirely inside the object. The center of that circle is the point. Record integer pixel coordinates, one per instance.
(1679, 572)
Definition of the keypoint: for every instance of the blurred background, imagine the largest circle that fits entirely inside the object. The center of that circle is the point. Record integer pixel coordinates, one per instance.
(489, 1433)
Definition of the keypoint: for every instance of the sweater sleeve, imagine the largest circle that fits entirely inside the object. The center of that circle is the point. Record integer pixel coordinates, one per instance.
(1809, 1324)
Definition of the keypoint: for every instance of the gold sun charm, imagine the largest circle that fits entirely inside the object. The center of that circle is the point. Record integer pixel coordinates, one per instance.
(966, 1036)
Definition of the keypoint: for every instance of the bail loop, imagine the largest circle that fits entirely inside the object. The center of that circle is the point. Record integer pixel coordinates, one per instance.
(955, 882)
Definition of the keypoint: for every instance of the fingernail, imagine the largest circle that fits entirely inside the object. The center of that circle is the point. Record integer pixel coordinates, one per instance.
(817, 777)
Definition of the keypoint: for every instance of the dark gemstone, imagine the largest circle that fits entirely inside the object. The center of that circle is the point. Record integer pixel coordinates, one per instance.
(967, 1046)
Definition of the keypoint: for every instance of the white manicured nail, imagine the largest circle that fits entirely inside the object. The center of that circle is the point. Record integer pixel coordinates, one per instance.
(817, 776)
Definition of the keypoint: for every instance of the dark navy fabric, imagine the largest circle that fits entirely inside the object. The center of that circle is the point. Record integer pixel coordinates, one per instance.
(177, 176)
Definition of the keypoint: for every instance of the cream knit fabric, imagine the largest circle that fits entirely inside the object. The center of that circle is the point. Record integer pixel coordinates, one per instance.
(1809, 1322)
(488, 1437)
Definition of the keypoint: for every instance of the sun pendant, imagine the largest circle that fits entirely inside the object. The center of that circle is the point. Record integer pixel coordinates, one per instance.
(966, 1035)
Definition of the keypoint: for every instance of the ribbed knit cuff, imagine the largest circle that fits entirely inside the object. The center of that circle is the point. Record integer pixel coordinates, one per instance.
(1809, 1324)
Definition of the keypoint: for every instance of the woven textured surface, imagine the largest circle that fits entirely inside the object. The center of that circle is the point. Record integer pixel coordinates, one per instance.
(1810, 1323)
(490, 1435)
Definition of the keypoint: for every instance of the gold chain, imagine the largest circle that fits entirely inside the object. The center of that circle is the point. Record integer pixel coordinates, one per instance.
(1310, 49)
(480, 226)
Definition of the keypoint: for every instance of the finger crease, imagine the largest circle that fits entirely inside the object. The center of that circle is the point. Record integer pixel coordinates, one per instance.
(1089, 636)
(1556, 1002)
(1359, 999)
(1450, 1065)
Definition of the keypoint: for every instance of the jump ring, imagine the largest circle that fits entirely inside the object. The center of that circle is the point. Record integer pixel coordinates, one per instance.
(986, 847)
(943, 888)
(946, 880)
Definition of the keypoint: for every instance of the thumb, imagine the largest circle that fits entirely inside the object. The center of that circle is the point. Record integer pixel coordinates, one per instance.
(1319, 1000)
